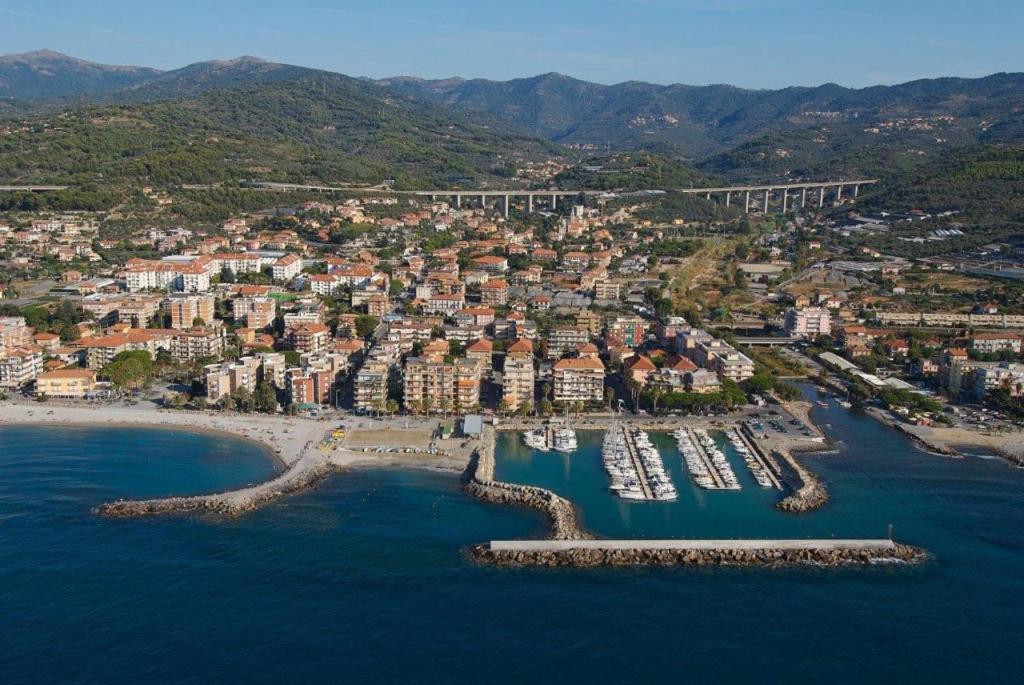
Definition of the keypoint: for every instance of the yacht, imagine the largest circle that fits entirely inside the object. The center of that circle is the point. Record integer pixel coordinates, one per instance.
(536, 439)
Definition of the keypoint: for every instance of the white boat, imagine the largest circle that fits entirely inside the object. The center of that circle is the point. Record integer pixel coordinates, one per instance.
(536, 439)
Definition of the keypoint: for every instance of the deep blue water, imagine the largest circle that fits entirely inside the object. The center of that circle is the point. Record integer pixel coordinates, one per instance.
(362, 578)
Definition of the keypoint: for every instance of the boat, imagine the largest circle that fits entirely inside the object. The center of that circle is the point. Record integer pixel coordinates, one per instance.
(536, 439)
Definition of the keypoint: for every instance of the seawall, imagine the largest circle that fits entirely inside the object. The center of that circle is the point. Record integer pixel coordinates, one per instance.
(481, 484)
(764, 553)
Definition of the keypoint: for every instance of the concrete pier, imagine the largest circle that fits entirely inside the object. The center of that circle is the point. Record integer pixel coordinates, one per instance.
(704, 457)
(638, 465)
(768, 464)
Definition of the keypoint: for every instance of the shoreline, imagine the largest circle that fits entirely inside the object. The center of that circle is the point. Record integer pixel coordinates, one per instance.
(956, 443)
(279, 463)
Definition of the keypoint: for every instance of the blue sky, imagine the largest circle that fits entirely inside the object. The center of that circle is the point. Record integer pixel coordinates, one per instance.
(750, 43)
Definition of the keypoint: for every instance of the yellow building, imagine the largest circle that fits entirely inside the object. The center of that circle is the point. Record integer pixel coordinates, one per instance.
(72, 384)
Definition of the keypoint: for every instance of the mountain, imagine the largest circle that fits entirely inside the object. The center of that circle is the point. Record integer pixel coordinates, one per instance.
(48, 74)
(701, 121)
(983, 183)
(246, 118)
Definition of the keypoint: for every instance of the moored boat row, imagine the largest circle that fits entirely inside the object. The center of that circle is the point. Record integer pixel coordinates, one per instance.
(756, 469)
(634, 466)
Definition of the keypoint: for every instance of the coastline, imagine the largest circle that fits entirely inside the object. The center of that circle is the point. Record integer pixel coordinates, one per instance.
(283, 437)
(956, 442)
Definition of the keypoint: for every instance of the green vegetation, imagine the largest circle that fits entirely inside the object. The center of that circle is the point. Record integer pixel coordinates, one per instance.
(630, 171)
(731, 395)
(130, 370)
(915, 402)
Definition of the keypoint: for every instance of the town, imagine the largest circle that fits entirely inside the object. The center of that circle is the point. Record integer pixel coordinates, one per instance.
(382, 305)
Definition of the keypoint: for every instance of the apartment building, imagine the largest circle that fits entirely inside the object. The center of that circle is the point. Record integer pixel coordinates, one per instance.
(20, 366)
(309, 338)
(197, 343)
(287, 267)
(371, 386)
(630, 331)
(579, 380)
(14, 334)
(445, 305)
(72, 384)
(808, 322)
(517, 375)
(227, 377)
(995, 342)
(191, 276)
(494, 292)
(605, 289)
(255, 312)
(566, 339)
(433, 385)
(186, 309)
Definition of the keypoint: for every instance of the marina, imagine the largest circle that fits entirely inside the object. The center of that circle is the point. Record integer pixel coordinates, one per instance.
(634, 465)
(754, 459)
(552, 437)
(705, 461)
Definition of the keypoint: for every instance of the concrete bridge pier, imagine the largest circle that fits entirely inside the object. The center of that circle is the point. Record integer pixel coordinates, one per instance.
(554, 202)
(839, 193)
(767, 194)
(821, 197)
(785, 199)
(728, 198)
(506, 206)
(458, 202)
(856, 190)
(803, 198)
(746, 203)
(529, 204)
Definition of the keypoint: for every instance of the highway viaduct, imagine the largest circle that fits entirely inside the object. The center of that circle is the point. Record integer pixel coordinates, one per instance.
(786, 195)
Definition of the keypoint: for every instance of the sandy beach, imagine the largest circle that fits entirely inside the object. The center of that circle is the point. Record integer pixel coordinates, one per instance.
(286, 437)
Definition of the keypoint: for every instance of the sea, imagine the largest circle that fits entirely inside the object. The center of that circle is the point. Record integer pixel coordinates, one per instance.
(364, 578)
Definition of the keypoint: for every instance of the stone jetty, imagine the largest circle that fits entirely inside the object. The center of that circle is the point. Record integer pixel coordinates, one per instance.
(809, 495)
(482, 485)
(303, 473)
(764, 553)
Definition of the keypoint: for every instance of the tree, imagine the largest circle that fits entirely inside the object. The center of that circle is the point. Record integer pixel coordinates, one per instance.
(366, 325)
(546, 408)
(392, 407)
(265, 398)
(129, 370)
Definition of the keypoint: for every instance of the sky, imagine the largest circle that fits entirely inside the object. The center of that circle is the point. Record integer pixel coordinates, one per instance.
(748, 43)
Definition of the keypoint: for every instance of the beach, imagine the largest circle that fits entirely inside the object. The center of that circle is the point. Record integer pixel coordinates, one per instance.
(286, 438)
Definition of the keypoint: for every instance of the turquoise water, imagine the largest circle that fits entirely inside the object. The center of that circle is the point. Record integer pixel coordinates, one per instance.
(363, 579)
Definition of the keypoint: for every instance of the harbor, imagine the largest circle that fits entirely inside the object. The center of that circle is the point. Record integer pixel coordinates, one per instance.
(706, 462)
(634, 465)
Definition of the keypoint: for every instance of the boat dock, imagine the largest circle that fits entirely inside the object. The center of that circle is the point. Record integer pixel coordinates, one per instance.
(759, 456)
(638, 465)
(706, 458)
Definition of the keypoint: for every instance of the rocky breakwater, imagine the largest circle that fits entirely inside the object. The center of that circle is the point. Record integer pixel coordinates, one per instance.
(809, 495)
(481, 484)
(726, 556)
(303, 473)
